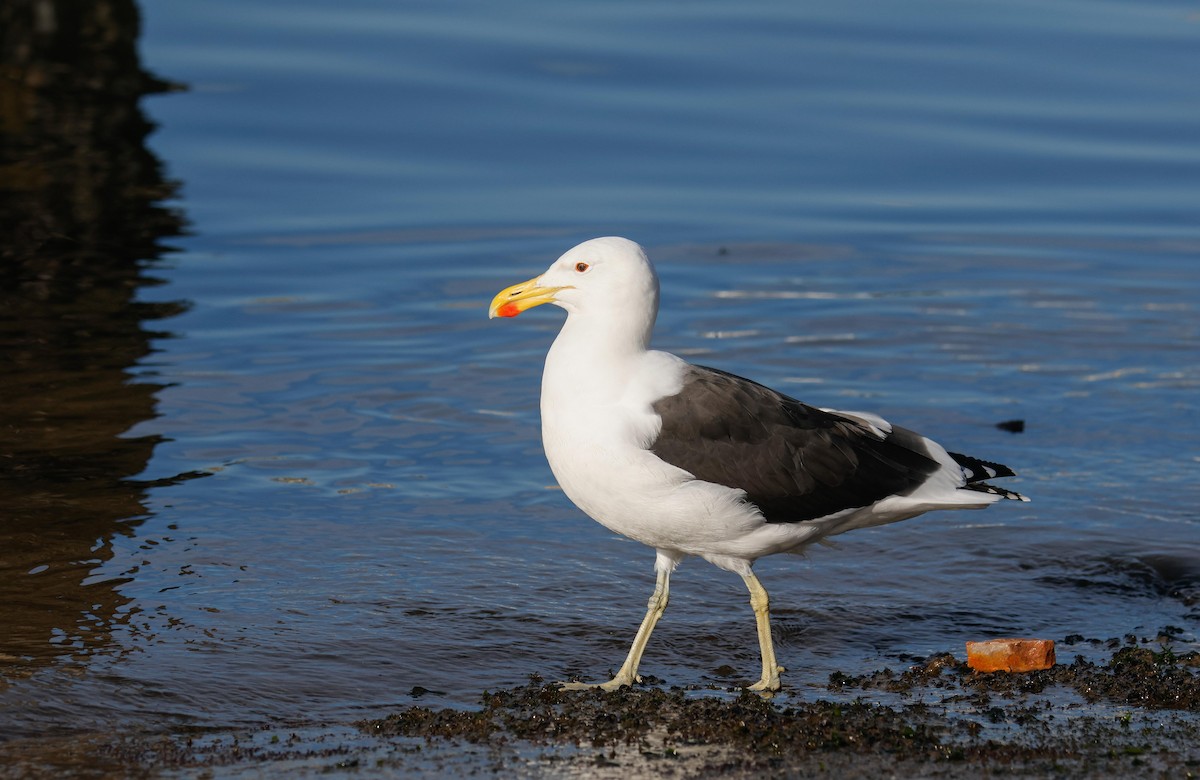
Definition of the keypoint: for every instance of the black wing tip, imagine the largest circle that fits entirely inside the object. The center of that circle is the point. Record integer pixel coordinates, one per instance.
(1004, 493)
(977, 470)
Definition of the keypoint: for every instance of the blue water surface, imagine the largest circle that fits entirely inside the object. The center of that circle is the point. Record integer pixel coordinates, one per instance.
(952, 214)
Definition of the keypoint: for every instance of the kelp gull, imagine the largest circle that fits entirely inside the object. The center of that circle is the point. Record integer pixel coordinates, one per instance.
(694, 461)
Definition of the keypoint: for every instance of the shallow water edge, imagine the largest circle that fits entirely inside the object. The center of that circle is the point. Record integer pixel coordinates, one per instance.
(1136, 712)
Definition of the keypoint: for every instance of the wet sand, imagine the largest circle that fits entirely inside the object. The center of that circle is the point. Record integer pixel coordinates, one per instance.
(1136, 712)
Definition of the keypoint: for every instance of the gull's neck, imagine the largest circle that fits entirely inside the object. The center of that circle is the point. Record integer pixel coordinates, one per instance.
(595, 355)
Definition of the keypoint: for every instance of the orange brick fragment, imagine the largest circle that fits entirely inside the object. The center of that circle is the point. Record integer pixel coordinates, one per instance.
(1010, 655)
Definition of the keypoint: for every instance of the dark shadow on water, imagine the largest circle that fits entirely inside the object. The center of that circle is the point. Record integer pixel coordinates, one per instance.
(82, 202)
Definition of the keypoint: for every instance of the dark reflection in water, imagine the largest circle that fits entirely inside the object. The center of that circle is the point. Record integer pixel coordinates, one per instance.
(81, 202)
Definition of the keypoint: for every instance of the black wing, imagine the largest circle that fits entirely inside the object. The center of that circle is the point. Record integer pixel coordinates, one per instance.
(794, 461)
(975, 471)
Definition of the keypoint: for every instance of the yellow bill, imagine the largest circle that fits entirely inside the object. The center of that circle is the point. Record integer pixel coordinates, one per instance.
(511, 301)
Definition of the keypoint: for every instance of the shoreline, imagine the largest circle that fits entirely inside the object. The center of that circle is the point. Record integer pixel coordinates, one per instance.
(1137, 712)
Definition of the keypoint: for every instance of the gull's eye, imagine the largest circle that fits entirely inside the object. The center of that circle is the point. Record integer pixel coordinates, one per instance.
(581, 267)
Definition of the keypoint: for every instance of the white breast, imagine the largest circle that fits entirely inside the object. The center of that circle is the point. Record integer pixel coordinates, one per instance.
(596, 433)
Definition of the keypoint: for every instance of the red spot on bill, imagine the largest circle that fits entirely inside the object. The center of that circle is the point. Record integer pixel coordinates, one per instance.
(508, 310)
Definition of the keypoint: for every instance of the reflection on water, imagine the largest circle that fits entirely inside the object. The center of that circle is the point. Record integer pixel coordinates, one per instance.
(82, 205)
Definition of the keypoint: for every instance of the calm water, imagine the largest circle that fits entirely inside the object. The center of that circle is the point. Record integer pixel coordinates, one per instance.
(290, 472)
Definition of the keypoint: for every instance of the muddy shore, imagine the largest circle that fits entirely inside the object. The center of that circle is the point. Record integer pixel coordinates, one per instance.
(1136, 712)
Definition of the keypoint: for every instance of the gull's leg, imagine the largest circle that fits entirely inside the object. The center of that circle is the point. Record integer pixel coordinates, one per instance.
(654, 609)
(762, 616)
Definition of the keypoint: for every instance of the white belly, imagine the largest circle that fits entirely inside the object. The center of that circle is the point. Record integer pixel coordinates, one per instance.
(632, 492)
(596, 430)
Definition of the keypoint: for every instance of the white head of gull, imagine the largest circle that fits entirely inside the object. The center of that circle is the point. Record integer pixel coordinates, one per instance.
(695, 461)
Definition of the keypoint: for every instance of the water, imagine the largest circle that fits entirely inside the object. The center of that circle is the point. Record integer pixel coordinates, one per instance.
(268, 461)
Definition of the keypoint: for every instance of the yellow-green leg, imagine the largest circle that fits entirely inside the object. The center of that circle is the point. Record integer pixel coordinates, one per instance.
(760, 602)
(654, 609)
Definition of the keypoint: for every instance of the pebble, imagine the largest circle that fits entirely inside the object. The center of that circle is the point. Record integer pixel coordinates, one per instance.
(1010, 655)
